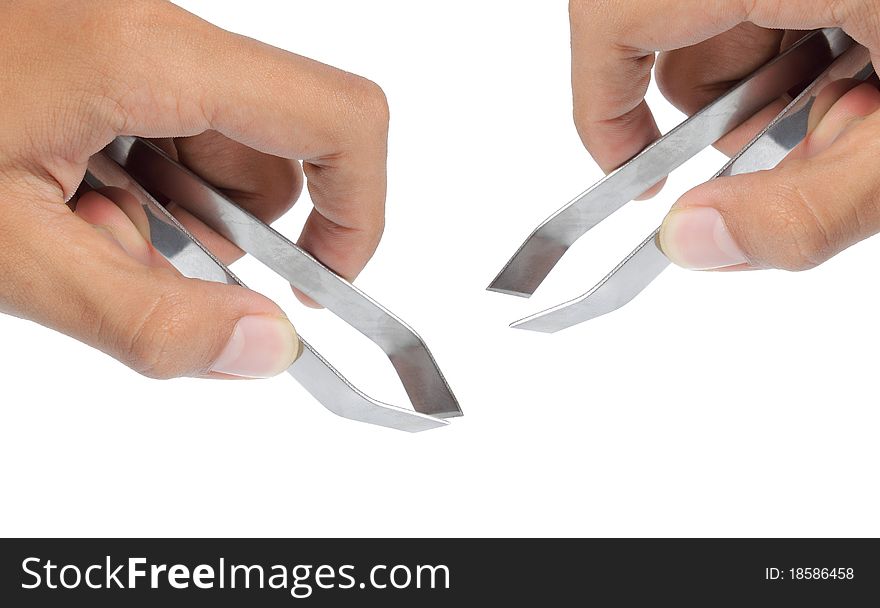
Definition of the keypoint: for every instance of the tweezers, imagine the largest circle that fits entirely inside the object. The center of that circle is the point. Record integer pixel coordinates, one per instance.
(817, 59)
(145, 171)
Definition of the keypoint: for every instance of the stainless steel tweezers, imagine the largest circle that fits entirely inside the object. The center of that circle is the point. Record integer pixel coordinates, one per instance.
(147, 173)
(819, 58)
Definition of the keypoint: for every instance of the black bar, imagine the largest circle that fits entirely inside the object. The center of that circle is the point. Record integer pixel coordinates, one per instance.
(505, 572)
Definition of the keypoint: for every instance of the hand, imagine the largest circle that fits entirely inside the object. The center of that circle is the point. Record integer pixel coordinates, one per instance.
(820, 200)
(241, 114)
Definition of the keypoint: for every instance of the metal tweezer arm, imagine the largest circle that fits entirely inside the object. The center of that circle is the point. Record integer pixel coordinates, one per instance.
(646, 262)
(145, 171)
(537, 256)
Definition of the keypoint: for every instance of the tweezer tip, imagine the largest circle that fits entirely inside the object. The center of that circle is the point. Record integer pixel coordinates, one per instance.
(533, 324)
(566, 315)
(509, 292)
(448, 415)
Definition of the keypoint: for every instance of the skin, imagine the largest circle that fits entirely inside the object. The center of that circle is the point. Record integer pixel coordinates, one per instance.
(821, 200)
(260, 123)
(256, 121)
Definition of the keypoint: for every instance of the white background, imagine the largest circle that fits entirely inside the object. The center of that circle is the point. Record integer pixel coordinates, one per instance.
(718, 405)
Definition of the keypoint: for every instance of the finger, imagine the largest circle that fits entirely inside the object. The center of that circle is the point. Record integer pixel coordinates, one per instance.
(610, 112)
(115, 213)
(267, 186)
(835, 106)
(694, 76)
(269, 100)
(264, 184)
(613, 46)
(793, 217)
(65, 274)
(97, 208)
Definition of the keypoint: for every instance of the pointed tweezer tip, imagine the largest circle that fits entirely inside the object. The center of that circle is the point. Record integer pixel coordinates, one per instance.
(566, 315)
(534, 324)
(509, 292)
(449, 415)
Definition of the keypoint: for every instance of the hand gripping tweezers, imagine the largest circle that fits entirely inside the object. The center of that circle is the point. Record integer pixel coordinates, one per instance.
(147, 173)
(819, 58)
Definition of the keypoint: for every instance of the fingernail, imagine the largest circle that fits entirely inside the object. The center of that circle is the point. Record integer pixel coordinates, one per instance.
(697, 238)
(260, 347)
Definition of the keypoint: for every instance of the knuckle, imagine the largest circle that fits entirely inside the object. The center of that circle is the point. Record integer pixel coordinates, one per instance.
(581, 120)
(157, 338)
(804, 239)
(369, 227)
(375, 229)
(368, 101)
(858, 17)
(869, 15)
(841, 11)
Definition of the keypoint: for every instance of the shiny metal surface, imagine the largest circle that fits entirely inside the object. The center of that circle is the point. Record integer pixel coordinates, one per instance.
(540, 252)
(168, 236)
(148, 173)
(647, 261)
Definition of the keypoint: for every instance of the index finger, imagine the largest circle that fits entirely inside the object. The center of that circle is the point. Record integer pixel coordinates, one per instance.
(614, 45)
(271, 100)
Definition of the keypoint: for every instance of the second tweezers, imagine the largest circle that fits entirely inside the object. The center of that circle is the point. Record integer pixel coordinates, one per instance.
(818, 58)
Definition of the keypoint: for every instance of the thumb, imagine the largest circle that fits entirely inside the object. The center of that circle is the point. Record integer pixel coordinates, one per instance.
(87, 275)
(819, 201)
